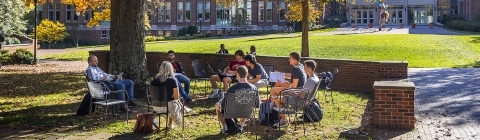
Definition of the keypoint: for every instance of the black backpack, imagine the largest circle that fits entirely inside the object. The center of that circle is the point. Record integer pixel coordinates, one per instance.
(327, 78)
(313, 113)
(85, 105)
(232, 125)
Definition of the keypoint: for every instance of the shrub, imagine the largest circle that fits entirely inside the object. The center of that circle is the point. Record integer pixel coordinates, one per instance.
(5, 57)
(315, 27)
(335, 20)
(208, 35)
(462, 25)
(448, 18)
(21, 56)
(10, 41)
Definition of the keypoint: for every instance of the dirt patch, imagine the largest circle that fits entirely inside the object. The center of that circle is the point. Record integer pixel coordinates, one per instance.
(48, 66)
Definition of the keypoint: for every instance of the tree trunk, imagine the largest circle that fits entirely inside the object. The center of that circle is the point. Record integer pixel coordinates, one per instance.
(127, 45)
(305, 9)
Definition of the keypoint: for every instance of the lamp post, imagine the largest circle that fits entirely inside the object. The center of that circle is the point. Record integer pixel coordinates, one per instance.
(35, 35)
(200, 19)
(76, 32)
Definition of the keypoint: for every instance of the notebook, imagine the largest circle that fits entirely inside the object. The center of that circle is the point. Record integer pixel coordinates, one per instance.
(277, 76)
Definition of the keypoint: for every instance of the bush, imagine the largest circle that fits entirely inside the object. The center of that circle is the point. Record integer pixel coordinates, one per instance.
(208, 35)
(335, 20)
(462, 25)
(10, 41)
(21, 56)
(152, 38)
(5, 57)
(189, 30)
(448, 18)
(315, 27)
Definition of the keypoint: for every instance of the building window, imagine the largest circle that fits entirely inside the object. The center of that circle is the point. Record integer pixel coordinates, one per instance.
(261, 11)
(207, 11)
(54, 11)
(223, 15)
(105, 33)
(164, 12)
(199, 10)
(149, 11)
(87, 15)
(282, 11)
(269, 11)
(187, 11)
(69, 12)
(180, 11)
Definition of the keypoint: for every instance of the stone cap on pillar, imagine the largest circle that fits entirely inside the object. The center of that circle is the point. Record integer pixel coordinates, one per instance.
(394, 85)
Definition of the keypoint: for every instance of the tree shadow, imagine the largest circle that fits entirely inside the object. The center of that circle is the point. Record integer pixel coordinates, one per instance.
(475, 64)
(366, 129)
(475, 40)
(54, 118)
(35, 84)
(272, 38)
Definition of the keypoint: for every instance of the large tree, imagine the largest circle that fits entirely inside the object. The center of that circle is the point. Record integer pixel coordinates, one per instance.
(127, 34)
(11, 17)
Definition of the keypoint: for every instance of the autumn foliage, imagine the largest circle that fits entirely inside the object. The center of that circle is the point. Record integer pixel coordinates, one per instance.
(49, 31)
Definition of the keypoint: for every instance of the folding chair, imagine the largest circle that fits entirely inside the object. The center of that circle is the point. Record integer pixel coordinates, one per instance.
(200, 73)
(330, 77)
(242, 104)
(157, 97)
(268, 69)
(299, 106)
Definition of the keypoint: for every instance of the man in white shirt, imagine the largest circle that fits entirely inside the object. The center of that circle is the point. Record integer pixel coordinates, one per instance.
(96, 74)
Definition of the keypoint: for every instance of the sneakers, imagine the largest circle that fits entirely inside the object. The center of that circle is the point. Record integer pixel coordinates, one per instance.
(214, 94)
(132, 103)
(187, 110)
(281, 123)
(125, 109)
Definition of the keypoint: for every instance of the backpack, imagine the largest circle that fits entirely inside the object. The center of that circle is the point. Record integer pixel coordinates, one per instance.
(313, 113)
(266, 115)
(85, 105)
(232, 125)
(145, 124)
(326, 79)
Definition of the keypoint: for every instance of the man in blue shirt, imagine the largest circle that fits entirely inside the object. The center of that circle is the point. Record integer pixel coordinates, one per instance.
(259, 77)
(96, 74)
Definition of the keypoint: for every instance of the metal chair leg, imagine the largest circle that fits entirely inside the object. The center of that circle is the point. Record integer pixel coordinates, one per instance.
(331, 96)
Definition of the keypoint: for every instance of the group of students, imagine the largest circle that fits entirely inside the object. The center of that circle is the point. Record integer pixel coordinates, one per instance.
(248, 74)
(244, 71)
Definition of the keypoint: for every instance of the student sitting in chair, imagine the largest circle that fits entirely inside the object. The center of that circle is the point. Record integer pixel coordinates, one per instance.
(309, 88)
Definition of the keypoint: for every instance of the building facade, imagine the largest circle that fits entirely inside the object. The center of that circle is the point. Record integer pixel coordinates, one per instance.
(210, 17)
(420, 12)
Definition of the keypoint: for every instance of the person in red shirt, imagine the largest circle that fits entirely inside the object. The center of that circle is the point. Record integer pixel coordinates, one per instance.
(228, 74)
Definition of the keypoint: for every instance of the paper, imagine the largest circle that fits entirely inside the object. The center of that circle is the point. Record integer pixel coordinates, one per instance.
(119, 77)
(277, 76)
(228, 74)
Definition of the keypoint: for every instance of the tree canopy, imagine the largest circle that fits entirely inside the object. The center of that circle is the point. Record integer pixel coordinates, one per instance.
(11, 17)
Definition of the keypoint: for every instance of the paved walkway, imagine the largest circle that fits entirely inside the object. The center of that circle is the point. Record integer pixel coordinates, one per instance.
(447, 105)
(391, 30)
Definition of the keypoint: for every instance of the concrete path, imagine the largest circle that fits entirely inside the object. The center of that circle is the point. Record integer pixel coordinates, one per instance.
(391, 30)
(447, 105)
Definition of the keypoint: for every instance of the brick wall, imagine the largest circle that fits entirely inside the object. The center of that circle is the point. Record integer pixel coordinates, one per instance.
(353, 75)
(393, 70)
(394, 104)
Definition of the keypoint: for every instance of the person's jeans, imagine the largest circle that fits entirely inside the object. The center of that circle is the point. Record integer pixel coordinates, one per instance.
(184, 91)
(125, 84)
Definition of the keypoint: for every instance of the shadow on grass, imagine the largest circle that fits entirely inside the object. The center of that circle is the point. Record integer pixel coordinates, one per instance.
(272, 38)
(475, 40)
(475, 64)
(35, 84)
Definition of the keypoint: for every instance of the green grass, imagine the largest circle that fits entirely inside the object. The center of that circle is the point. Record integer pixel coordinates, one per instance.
(424, 51)
(47, 102)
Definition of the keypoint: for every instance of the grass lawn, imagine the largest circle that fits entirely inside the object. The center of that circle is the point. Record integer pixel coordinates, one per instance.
(47, 102)
(419, 50)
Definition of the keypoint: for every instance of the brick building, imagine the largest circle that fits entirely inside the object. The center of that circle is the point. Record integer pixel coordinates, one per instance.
(262, 14)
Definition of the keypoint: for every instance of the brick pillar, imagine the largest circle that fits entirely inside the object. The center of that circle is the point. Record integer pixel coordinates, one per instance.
(103, 58)
(394, 104)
